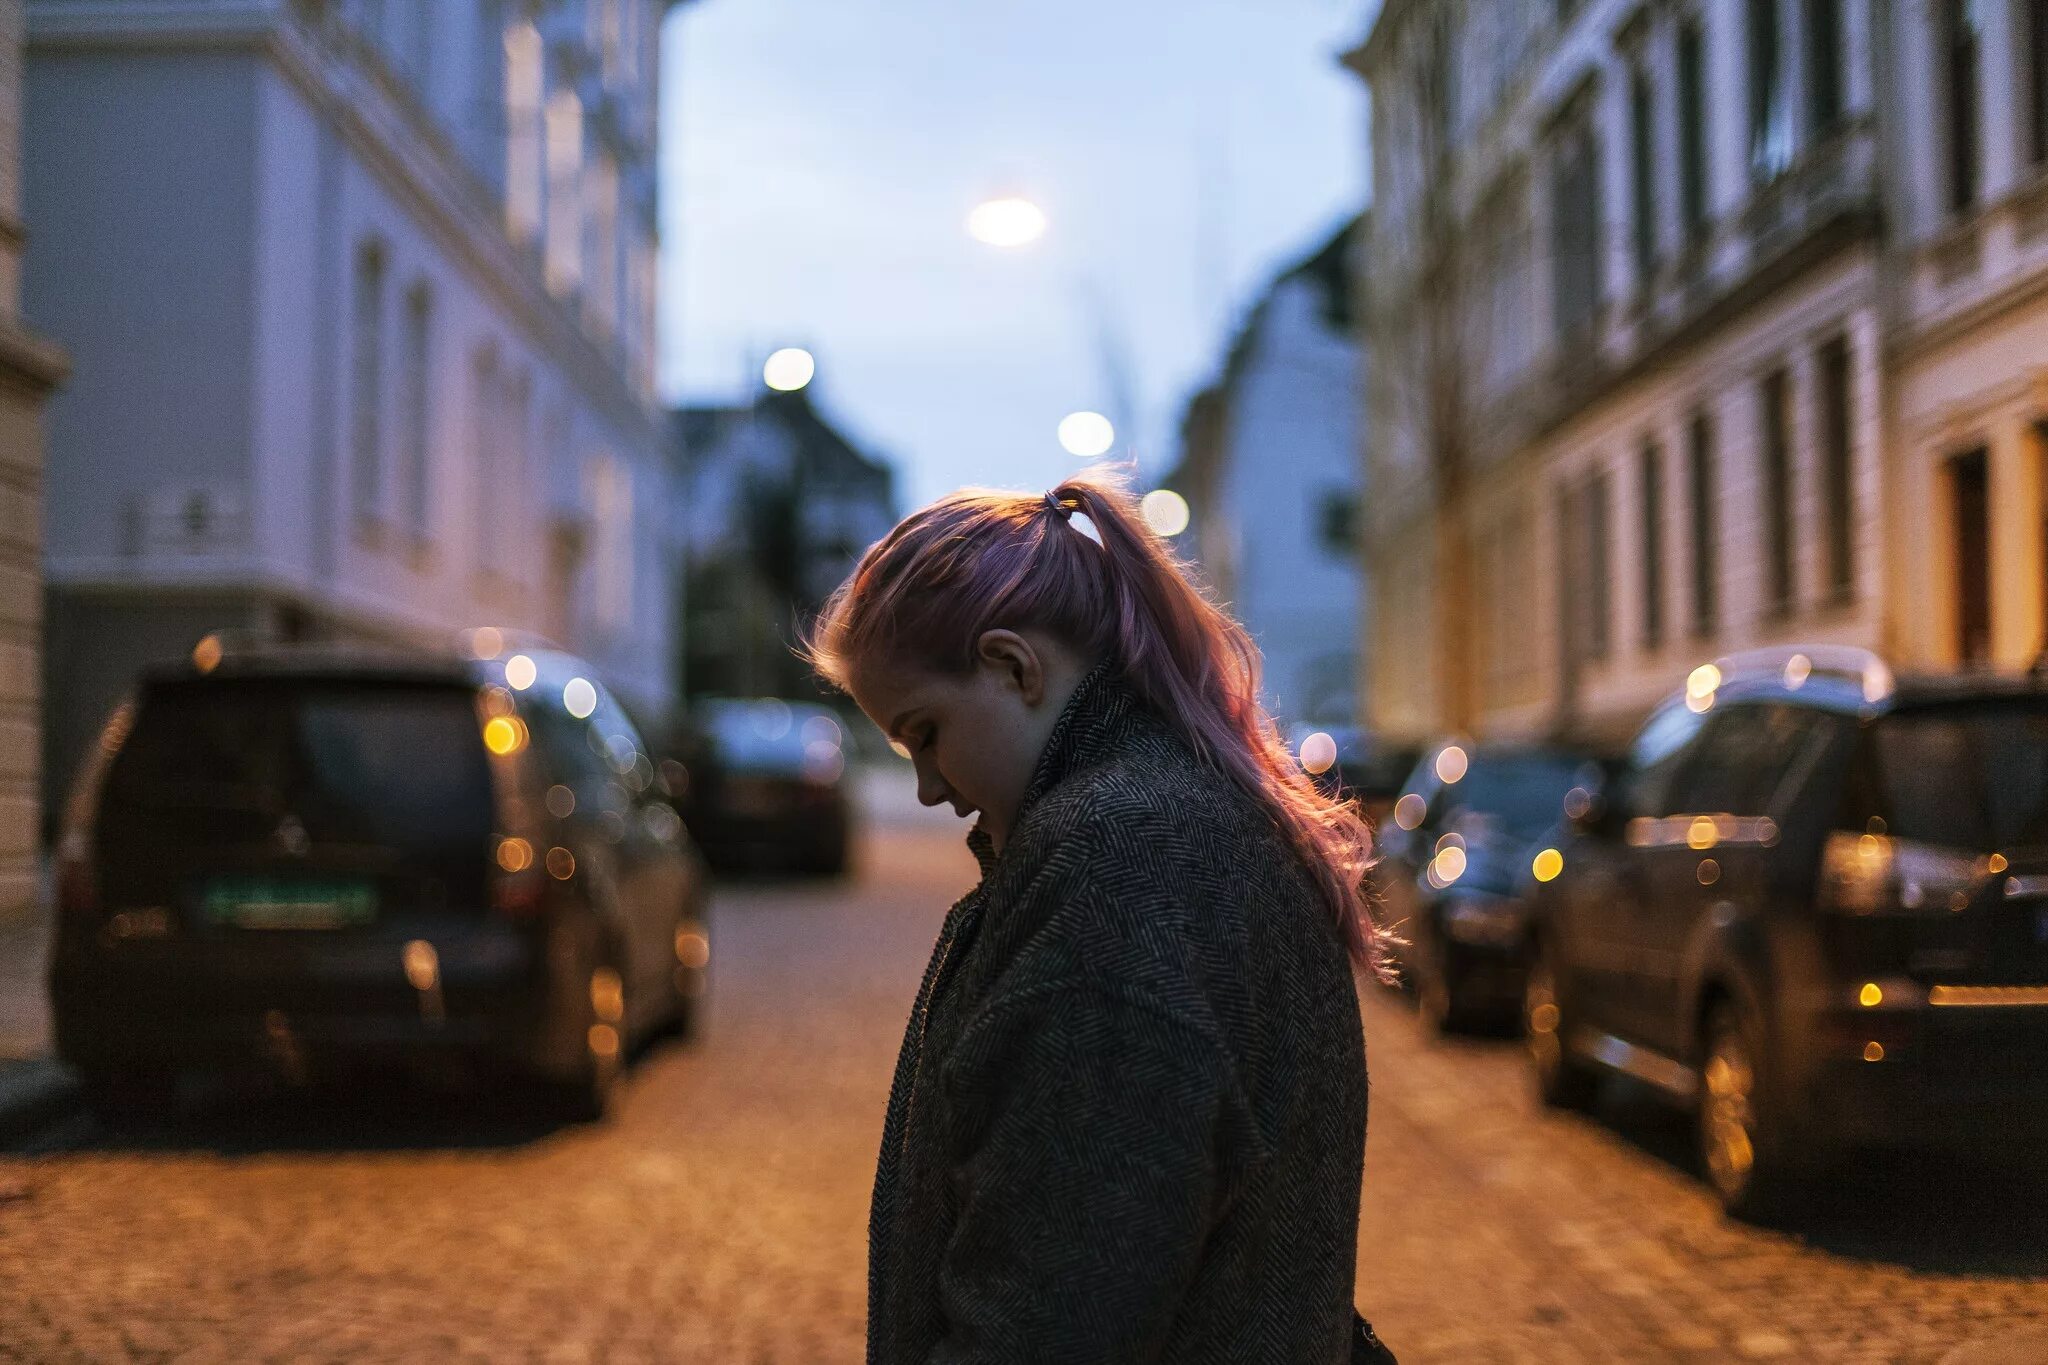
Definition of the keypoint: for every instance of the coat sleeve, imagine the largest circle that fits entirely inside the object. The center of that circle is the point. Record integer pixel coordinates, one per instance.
(1087, 1177)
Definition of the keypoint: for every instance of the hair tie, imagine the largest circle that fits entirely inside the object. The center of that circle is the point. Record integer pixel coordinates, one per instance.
(1058, 508)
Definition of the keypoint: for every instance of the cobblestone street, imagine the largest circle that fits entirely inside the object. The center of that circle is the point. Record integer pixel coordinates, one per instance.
(720, 1217)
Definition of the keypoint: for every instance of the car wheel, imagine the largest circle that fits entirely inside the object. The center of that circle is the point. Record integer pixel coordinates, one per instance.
(130, 1096)
(1563, 1081)
(1742, 1143)
(587, 1095)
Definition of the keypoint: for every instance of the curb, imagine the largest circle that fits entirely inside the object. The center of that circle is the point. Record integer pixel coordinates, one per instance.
(34, 1092)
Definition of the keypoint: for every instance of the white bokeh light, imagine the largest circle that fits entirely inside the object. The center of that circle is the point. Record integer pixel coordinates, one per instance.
(1086, 434)
(789, 369)
(579, 697)
(1165, 511)
(1006, 222)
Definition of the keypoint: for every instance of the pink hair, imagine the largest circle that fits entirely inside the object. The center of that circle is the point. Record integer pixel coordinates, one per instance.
(978, 560)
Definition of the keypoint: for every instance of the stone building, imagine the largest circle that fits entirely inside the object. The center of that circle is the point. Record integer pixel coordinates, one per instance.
(1270, 470)
(29, 368)
(361, 299)
(1698, 342)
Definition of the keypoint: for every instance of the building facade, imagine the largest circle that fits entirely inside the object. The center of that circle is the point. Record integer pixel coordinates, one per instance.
(361, 297)
(1638, 264)
(1270, 470)
(29, 368)
(776, 506)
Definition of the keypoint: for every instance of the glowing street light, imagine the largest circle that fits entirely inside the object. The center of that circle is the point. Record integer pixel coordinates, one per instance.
(789, 369)
(1086, 434)
(1165, 511)
(1006, 222)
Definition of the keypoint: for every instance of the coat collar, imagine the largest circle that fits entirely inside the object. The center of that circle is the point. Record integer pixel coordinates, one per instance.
(1095, 718)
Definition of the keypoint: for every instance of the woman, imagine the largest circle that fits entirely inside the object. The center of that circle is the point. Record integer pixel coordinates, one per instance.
(1128, 1120)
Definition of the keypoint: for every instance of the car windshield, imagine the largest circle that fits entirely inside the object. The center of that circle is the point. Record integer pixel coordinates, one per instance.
(770, 736)
(398, 766)
(1522, 794)
(1971, 776)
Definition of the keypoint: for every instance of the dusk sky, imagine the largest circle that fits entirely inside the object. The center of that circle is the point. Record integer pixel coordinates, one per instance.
(820, 158)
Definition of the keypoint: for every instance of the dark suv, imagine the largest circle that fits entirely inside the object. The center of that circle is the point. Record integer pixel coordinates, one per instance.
(298, 857)
(1813, 905)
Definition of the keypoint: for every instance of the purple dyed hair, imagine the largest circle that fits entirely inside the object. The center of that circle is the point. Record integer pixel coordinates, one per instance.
(979, 560)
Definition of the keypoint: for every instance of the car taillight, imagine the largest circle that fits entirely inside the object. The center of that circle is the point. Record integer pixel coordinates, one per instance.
(1875, 874)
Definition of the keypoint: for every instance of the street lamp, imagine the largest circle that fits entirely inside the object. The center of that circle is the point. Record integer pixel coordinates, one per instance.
(1014, 222)
(1007, 222)
(789, 369)
(1087, 434)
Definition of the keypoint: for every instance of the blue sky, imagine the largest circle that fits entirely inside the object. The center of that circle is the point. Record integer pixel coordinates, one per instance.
(820, 157)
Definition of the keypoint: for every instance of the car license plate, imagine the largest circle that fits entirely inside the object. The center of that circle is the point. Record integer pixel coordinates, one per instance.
(289, 903)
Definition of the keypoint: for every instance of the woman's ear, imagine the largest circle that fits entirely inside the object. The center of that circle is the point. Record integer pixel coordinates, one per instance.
(1017, 660)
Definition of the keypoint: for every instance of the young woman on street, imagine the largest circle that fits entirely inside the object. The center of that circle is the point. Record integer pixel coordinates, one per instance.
(1128, 1120)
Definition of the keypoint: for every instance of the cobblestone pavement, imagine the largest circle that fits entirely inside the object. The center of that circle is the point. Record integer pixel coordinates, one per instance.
(720, 1217)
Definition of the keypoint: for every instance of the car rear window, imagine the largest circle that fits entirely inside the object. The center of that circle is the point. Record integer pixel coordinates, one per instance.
(1969, 776)
(400, 766)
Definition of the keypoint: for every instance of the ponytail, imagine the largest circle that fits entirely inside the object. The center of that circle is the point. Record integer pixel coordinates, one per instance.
(979, 559)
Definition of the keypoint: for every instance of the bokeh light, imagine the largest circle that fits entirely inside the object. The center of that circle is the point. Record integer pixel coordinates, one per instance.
(520, 671)
(1318, 752)
(1165, 511)
(1086, 434)
(579, 698)
(1006, 222)
(1451, 765)
(789, 369)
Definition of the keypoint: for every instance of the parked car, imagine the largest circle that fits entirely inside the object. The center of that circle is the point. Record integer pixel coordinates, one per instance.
(297, 857)
(1814, 908)
(768, 786)
(1451, 876)
(1367, 767)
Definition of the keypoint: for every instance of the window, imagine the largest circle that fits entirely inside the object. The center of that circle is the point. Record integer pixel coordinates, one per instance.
(601, 243)
(565, 200)
(1692, 130)
(1650, 508)
(1703, 490)
(1748, 759)
(414, 361)
(1642, 170)
(1575, 209)
(525, 156)
(1962, 45)
(1770, 117)
(1823, 64)
(1776, 475)
(1838, 473)
(366, 370)
(611, 516)
(1599, 589)
(1660, 750)
(1584, 564)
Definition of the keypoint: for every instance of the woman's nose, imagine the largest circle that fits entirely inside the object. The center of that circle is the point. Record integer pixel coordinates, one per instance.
(930, 790)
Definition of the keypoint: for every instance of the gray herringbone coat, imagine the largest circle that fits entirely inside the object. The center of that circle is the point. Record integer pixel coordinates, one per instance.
(1128, 1121)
